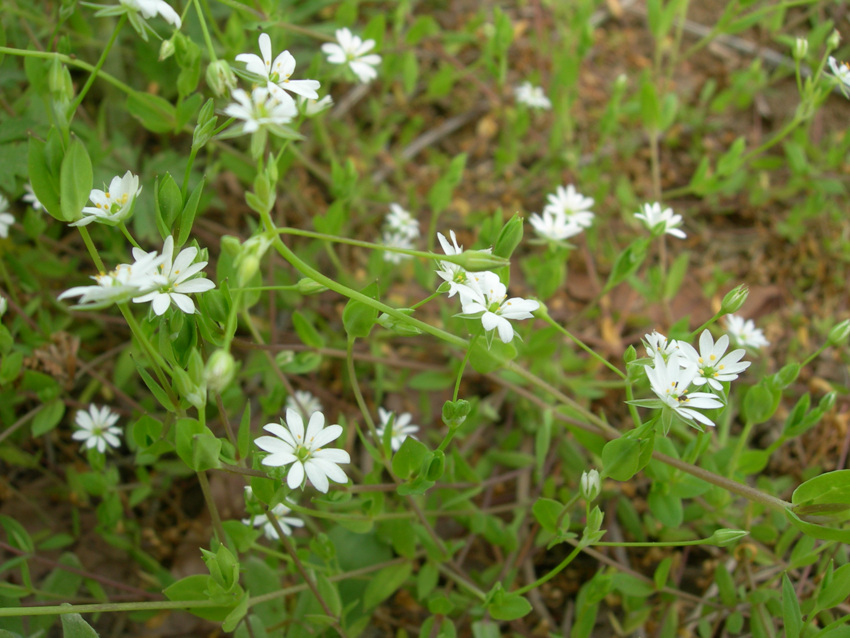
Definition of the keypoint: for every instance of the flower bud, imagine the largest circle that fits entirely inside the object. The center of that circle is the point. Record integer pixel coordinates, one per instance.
(3, 306)
(838, 335)
(455, 413)
(59, 81)
(833, 40)
(399, 326)
(220, 77)
(509, 237)
(219, 370)
(800, 48)
(724, 536)
(734, 299)
(166, 49)
(231, 245)
(590, 485)
(477, 260)
(309, 286)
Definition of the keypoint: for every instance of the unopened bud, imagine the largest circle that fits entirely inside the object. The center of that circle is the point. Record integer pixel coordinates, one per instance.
(477, 260)
(219, 370)
(509, 237)
(455, 412)
(590, 485)
(59, 81)
(800, 48)
(220, 77)
(3, 306)
(399, 325)
(724, 536)
(194, 393)
(309, 286)
(166, 49)
(734, 299)
(838, 335)
(231, 245)
(833, 40)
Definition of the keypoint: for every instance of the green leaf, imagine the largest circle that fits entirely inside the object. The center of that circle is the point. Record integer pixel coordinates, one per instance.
(409, 458)
(650, 111)
(835, 591)
(243, 437)
(155, 113)
(548, 514)
(306, 332)
(168, 202)
(760, 403)
(194, 589)
(48, 418)
(791, 615)
(676, 275)
(206, 448)
(16, 534)
(235, 616)
(44, 161)
(385, 583)
(73, 626)
(358, 317)
(627, 262)
(508, 606)
(75, 181)
(187, 217)
(441, 193)
(485, 359)
(157, 390)
(621, 458)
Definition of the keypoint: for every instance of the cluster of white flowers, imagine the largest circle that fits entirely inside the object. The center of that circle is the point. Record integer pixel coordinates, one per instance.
(304, 403)
(533, 96)
(400, 229)
(677, 366)
(401, 427)
(155, 278)
(566, 214)
(97, 428)
(659, 221)
(305, 452)
(744, 332)
(112, 206)
(352, 50)
(482, 294)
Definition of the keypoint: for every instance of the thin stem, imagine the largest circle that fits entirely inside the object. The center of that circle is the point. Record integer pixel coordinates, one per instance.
(426, 300)
(463, 367)
(59, 610)
(582, 345)
(50, 55)
(561, 566)
(96, 70)
(95, 256)
(123, 227)
(211, 506)
(206, 33)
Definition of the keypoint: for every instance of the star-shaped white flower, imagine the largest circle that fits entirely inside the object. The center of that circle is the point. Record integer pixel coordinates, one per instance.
(6, 218)
(744, 332)
(304, 403)
(841, 71)
(533, 96)
(670, 383)
(260, 109)
(306, 452)
(485, 293)
(571, 204)
(278, 512)
(177, 283)
(401, 429)
(661, 221)
(655, 342)
(126, 281)
(401, 221)
(96, 428)
(351, 50)
(711, 365)
(396, 239)
(114, 205)
(555, 227)
(278, 73)
(451, 273)
(314, 107)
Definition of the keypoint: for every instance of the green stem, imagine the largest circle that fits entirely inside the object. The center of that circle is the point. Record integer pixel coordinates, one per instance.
(463, 366)
(96, 70)
(739, 447)
(211, 506)
(704, 326)
(65, 59)
(426, 300)
(95, 256)
(563, 564)
(58, 610)
(358, 396)
(123, 227)
(206, 33)
(582, 345)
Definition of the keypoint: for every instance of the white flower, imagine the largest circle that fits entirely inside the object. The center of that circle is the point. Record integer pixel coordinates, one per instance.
(176, 275)
(305, 452)
(841, 70)
(653, 216)
(745, 333)
(313, 107)
(710, 364)
(6, 218)
(572, 204)
(278, 73)
(533, 96)
(350, 49)
(554, 226)
(278, 512)
(402, 221)
(113, 206)
(401, 428)
(96, 428)
(396, 239)
(304, 403)
(484, 293)
(451, 273)
(658, 343)
(126, 281)
(31, 199)
(153, 8)
(670, 382)
(260, 109)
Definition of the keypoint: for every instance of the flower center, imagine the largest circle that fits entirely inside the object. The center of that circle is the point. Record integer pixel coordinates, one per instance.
(303, 453)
